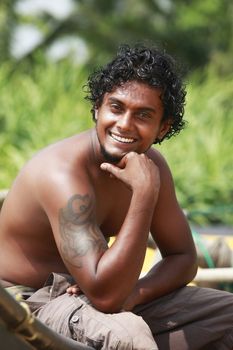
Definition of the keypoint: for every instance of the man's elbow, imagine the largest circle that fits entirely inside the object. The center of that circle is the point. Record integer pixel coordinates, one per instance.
(192, 267)
(192, 273)
(106, 304)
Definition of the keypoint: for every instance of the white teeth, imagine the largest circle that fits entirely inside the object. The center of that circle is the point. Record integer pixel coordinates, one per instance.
(122, 139)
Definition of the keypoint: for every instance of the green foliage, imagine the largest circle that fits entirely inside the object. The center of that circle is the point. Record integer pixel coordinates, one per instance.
(38, 107)
(201, 156)
(7, 25)
(202, 29)
(195, 31)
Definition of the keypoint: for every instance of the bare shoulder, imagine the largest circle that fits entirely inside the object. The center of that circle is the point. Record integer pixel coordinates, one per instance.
(167, 194)
(49, 174)
(161, 163)
(156, 156)
(61, 168)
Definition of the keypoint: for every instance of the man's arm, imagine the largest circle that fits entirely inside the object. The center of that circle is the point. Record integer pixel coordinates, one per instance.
(172, 235)
(106, 275)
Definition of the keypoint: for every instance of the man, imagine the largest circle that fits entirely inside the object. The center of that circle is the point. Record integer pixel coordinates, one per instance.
(108, 181)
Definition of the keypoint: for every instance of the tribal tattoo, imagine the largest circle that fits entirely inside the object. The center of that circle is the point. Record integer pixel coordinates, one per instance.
(79, 233)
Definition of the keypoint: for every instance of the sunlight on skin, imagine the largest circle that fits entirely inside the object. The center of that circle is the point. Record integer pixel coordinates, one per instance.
(149, 258)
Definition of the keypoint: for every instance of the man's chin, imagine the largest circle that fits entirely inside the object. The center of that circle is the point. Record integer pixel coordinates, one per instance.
(110, 158)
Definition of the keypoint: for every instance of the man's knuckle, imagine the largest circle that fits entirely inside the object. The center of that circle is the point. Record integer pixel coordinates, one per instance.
(131, 154)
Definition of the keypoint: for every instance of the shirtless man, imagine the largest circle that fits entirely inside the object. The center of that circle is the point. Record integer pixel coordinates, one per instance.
(108, 181)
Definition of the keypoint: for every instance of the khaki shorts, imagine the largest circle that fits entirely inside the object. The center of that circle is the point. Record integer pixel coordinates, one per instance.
(191, 318)
(74, 317)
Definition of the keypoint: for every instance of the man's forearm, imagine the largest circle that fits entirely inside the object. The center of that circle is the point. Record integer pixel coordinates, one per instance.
(122, 263)
(170, 273)
(106, 275)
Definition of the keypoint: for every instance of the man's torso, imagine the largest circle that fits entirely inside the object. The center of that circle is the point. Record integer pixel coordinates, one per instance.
(29, 252)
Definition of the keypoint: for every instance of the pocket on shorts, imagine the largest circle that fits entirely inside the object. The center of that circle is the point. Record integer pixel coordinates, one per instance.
(80, 330)
(99, 330)
(56, 313)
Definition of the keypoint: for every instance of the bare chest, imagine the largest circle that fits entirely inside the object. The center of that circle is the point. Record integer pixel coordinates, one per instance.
(112, 203)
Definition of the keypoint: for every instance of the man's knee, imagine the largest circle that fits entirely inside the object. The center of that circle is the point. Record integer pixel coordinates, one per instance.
(123, 330)
(77, 319)
(136, 332)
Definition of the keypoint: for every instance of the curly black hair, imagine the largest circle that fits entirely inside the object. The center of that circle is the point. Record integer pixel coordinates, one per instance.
(150, 66)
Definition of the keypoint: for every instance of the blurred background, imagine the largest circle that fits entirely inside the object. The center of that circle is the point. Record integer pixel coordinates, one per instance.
(48, 48)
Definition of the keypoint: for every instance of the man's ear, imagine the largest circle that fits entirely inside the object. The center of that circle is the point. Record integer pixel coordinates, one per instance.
(96, 114)
(165, 127)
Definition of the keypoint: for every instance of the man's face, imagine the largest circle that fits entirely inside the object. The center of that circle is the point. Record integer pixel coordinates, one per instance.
(129, 119)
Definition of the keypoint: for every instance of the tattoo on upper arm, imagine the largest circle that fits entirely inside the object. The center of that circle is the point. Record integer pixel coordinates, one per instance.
(79, 233)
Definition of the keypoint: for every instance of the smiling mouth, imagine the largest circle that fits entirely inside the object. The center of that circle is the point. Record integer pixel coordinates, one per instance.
(122, 139)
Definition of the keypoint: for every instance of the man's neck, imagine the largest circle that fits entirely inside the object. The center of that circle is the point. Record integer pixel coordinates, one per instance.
(96, 155)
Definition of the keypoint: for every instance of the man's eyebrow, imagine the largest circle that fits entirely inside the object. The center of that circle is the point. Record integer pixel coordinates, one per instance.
(114, 99)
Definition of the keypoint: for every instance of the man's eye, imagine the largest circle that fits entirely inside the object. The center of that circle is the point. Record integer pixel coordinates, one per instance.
(115, 107)
(143, 115)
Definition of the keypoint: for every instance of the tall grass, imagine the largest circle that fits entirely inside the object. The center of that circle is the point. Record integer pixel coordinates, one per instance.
(201, 156)
(38, 107)
(46, 103)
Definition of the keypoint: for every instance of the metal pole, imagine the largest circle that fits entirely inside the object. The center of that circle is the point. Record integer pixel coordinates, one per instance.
(18, 319)
(214, 275)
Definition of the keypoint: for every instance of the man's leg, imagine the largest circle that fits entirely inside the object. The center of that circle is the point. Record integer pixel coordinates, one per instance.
(191, 318)
(75, 318)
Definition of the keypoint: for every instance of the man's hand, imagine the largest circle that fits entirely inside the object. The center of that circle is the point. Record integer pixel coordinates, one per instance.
(74, 290)
(137, 171)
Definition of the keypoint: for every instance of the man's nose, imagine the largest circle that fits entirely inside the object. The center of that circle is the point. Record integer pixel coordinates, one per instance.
(125, 121)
